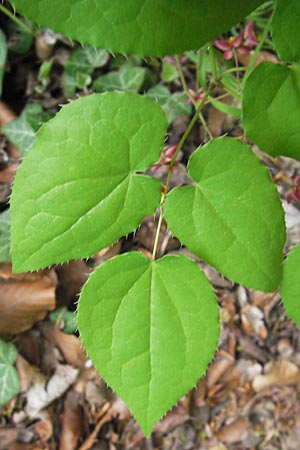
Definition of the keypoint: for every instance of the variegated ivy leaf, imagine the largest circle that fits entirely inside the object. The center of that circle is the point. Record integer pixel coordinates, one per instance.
(78, 189)
(232, 216)
(151, 329)
(146, 27)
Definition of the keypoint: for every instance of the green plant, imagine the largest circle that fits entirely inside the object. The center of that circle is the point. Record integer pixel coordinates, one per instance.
(151, 327)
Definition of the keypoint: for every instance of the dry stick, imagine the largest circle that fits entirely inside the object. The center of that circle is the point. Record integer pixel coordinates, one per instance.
(104, 417)
(173, 161)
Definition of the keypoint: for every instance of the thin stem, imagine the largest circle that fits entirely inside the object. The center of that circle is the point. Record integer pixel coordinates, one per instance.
(212, 60)
(173, 161)
(187, 92)
(15, 19)
(258, 48)
(162, 200)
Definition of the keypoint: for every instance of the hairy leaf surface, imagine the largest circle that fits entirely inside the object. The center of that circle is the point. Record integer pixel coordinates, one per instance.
(232, 216)
(285, 29)
(146, 27)
(150, 328)
(290, 286)
(271, 109)
(78, 190)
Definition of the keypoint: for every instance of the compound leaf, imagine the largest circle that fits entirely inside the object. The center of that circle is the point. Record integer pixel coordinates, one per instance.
(146, 27)
(77, 190)
(271, 117)
(9, 380)
(290, 285)
(128, 78)
(285, 29)
(232, 216)
(151, 329)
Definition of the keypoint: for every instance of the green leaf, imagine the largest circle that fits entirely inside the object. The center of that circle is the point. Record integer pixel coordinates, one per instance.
(9, 380)
(271, 109)
(82, 62)
(172, 104)
(227, 109)
(232, 216)
(290, 285)
(65, 319)
(285, 29)
(20, 133)
(5, 236)
(77, 190)
(169, 72)
(150, 328)
(3, 54)
(128, 78)
(146, 27)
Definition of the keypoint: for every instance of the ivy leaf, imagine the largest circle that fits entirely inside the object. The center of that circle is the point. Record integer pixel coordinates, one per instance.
(290, 285)
(232, 216)
(172, 104)
(9, 380)
(272, 118)
(285, 29)
(5, 236)
(128, 78)
(82, 62)
(78, 190)
(151, 329)
(146, 27)
(3, 54)
(20, 133)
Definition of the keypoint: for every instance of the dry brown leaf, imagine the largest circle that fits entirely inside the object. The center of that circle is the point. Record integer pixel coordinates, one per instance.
(25, 298)
(218, 368)
(71, 277)
(7, 437)
(72, 422)
(244, 58)
(172, 420)
(279, 373)
(44, 429)
(235, 432)
(26, 373)
(69, 345)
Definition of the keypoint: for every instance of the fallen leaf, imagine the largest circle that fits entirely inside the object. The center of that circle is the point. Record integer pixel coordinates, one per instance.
(72, 422)
(279, 373)
(235, 432)
(69, 345)
(25, 298)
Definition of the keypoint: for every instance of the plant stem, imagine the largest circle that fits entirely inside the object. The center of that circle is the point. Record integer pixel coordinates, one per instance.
(258, 48)
(15, 19)
(173, 162)
(212, 60)
(186, 90)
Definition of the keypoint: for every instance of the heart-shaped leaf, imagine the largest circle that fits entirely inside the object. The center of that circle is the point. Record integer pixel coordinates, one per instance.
(77, 191)
(146, 27)
(232, 216)
(290, 286)
(285, 29)
(9, 380)
(271, 109)
(151, 329)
